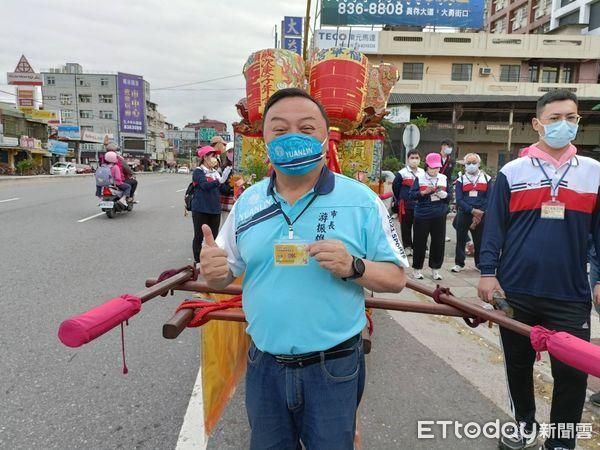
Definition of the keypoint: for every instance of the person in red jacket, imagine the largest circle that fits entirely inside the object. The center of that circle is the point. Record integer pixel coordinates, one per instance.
(112, 159)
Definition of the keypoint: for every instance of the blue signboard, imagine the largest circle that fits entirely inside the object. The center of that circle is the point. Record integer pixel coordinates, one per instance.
(421, 13)
(292, 26)
(71, 132)
(293, 44)
(58, 147)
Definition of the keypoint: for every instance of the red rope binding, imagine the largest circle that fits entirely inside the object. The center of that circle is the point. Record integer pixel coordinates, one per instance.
(172, 272)
(203, 307)
(471, 322)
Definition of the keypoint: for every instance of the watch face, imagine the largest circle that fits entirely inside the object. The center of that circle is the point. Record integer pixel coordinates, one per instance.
(359, 266)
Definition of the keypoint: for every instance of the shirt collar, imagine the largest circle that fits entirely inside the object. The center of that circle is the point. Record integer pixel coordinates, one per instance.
(324, 185)
(569, 156)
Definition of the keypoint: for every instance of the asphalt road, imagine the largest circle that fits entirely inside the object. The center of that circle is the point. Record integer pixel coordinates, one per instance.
(53, 266)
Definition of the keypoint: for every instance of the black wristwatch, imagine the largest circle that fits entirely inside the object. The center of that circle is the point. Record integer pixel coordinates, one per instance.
(358, 267)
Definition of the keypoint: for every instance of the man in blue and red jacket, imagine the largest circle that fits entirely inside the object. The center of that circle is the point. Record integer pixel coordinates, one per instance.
(401, 186)
(541, 211)
(472, 190)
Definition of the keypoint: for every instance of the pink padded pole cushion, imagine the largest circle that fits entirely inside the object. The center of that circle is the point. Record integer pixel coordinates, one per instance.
(83, 328)
(567, 348)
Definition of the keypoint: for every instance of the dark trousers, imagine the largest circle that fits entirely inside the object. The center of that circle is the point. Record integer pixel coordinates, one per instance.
(133, 183)
(199, 219)
(463, 222)
(568, 395)
(423, 228)
(406, 227)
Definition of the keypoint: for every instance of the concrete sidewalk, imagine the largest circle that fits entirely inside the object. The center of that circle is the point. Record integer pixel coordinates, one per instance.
(464, 286)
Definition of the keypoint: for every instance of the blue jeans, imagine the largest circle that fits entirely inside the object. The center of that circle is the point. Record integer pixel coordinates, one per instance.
(315, 404)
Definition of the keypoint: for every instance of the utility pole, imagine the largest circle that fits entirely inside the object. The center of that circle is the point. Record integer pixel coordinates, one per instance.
(306, 28)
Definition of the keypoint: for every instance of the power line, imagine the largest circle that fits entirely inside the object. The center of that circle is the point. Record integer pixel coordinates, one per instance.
(196, 82)
(15, 95)
(208, 89)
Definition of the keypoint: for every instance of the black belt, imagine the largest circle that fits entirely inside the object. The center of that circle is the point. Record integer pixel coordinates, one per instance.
(306, 359)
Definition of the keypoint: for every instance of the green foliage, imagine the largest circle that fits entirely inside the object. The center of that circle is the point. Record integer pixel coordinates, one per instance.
(25, 165)
(391, 163)
(420, 121)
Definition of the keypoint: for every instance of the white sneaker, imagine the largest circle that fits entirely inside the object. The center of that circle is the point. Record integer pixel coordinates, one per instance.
(408, 251)
(457, 269)
(417, 275)
(435, 274)
(123, 201)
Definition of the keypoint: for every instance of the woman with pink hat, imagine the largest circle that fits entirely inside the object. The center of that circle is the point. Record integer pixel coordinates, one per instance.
(430, 192)
(206, 200)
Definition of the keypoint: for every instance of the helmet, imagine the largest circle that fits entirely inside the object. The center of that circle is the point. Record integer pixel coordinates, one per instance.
(111, 157)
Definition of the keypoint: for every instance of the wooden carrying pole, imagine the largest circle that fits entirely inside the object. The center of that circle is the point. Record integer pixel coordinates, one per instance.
(451, 307)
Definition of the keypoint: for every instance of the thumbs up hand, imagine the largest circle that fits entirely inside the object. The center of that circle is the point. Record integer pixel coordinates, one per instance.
(213, 260)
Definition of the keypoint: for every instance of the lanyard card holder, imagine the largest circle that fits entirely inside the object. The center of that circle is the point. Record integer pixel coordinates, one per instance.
(290, 252)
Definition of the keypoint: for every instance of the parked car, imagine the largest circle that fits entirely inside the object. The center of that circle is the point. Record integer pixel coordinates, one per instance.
(63, 168)
(83, 168)
(184, 169)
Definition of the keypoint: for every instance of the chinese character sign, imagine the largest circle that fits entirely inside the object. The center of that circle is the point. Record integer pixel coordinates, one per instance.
(446, 13)
(292, 26)
(132, 104)
(293, 44)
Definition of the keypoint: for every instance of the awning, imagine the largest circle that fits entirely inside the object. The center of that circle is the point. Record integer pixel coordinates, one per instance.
(413, 99)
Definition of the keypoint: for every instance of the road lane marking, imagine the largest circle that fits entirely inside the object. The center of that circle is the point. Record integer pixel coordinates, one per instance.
(17, 198)
(192, 434)
(91, 217)
(181, 190)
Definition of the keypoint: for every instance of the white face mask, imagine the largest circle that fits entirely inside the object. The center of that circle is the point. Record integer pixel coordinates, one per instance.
(472, 168)
(211, 162)
(448, 150)
(413, 162)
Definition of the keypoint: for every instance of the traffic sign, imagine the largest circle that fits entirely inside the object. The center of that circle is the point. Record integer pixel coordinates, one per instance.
(411, 137)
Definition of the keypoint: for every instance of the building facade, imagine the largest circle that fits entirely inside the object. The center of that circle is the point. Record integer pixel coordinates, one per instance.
(584, 14)
(520, 16)
(91, 101)
(87, 100)
(480, 89)
(21, 138)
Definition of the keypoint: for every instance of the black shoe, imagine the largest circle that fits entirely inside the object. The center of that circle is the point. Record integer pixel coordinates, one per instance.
(518, 441)
(595, 399)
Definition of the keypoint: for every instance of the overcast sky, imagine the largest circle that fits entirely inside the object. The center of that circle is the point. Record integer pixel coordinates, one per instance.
(168, 42)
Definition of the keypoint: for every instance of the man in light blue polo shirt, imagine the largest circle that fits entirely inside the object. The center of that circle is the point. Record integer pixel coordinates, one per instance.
(308, 241)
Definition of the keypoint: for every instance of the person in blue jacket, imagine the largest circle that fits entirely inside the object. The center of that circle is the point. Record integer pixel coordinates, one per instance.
(206, 202)
(405, 207)
(540, 214)
(430, 192)
(472, 189)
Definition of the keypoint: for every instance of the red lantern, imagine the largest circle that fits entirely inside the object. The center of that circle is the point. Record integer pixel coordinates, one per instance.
(338, 80)
(266, 72)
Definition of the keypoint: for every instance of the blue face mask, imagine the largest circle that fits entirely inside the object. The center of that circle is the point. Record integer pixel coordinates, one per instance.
(295, 153)
(472, 168)
(559, 134)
